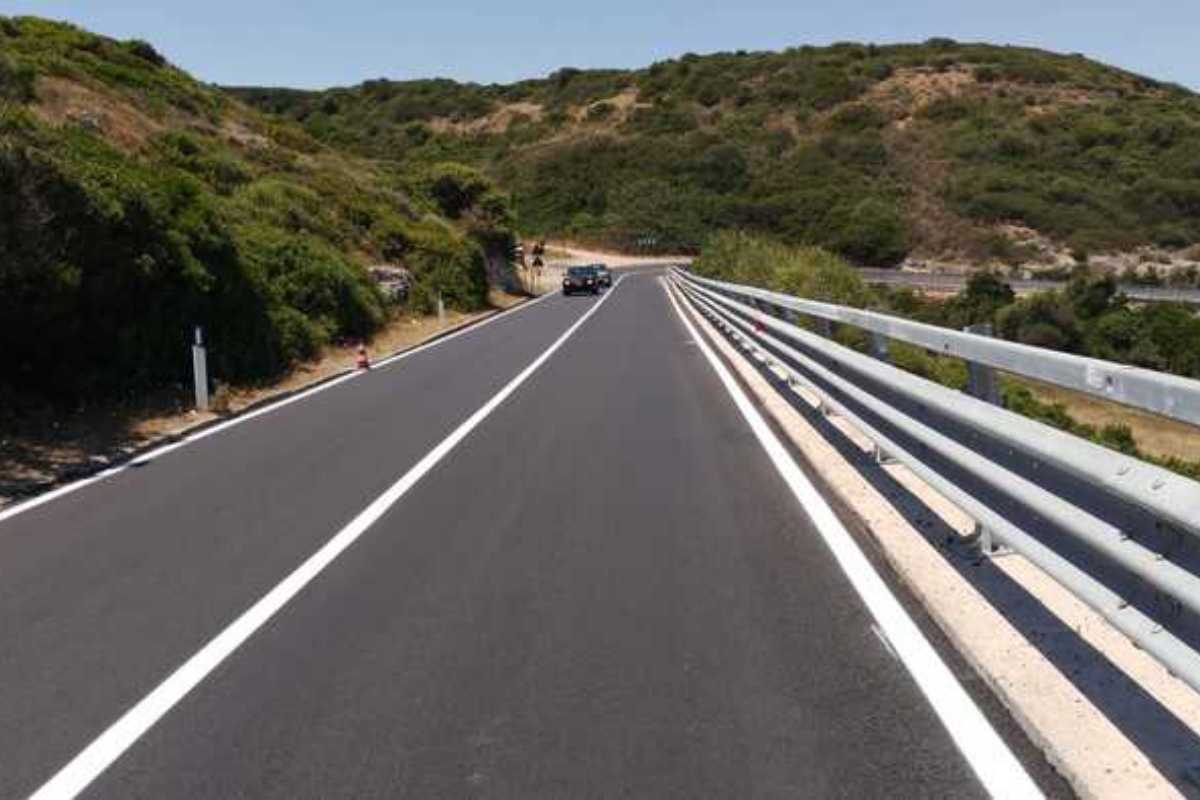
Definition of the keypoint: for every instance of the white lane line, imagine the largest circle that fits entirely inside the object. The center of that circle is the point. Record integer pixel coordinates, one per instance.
(147, 457)
(122, 734)
(989, 757)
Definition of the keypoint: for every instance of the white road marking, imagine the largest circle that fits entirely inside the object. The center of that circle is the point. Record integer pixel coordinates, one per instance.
(147, 457)
(73, 778)
(993, 763)
(883, 641)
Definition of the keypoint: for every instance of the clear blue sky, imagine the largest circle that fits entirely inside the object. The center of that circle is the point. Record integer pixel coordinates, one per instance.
(315, 44)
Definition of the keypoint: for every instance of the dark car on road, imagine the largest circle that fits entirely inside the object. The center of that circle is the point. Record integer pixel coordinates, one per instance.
(603, 276)
(581, 279)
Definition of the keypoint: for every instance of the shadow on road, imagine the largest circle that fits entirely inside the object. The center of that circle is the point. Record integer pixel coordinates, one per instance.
(1164, 738)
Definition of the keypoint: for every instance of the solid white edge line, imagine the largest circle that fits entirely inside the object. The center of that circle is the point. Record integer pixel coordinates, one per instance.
(97, 756)
(1001, 774)
(147, 457)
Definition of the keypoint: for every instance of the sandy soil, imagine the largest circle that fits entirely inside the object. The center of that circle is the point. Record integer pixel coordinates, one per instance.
(44, 450)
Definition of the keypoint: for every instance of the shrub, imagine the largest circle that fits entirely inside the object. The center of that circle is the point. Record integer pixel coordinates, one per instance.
(145, 51)
(16, 80)
(871, 232)
(986, 74)
(857, 117)
(804, 271)
(455, 187)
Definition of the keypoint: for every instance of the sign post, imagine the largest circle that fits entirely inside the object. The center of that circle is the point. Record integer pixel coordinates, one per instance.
(200, 370)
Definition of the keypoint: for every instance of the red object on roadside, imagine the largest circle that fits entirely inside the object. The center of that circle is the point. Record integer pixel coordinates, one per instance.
(362, 362)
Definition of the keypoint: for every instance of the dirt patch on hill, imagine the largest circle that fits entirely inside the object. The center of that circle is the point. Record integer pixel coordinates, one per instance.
(911, 89)
(238, 133)
(66, 102)
(605, 114)
(937, 231)
(916, 87)
(497, 122)
(619, 108)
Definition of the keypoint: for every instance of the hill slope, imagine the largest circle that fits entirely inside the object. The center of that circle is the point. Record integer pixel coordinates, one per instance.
(937, 150)
(136, 202)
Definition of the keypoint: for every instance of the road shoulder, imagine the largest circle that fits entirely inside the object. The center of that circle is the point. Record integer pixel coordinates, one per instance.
(1002, 615)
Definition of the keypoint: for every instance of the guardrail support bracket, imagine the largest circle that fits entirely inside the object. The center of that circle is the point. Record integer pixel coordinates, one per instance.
(986, 544)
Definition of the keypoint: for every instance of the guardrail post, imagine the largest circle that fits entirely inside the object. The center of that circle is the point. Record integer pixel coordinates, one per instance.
(879, 347)
(981, 379)
(824, 327)
(986, 543)
(881, 456)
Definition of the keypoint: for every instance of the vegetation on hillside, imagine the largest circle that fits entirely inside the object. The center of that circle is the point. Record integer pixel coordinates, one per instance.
(873, 152)
(1089, 318)
(136, 203)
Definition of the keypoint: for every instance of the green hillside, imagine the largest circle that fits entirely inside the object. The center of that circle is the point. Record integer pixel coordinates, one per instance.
(136, 203)
(877, 152)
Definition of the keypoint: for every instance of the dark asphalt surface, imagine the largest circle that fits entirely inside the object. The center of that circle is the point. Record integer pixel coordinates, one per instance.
(605, 591)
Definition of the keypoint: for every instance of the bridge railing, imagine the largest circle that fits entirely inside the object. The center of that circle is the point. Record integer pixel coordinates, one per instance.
(1122, 534)
(944, 282)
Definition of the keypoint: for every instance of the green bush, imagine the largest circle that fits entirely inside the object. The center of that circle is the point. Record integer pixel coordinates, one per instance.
(455, 187)
(873, 232)
(110, 255)
(16, 80)
(808, 272)
(1115, 172)
(145, 51)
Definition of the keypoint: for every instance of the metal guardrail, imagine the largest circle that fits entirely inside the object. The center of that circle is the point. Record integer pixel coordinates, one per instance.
(942, 282)
(949, 438)
(1168, 395)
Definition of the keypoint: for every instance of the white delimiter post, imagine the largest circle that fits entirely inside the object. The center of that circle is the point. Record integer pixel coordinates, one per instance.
(200, 370)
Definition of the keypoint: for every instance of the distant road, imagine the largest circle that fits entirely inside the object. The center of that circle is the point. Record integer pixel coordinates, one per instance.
(547, 557)
(949, 284)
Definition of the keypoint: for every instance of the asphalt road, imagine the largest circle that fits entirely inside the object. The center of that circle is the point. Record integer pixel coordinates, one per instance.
(604, 590)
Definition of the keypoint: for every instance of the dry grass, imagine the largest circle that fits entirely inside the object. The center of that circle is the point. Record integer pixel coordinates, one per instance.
(66, 102)
(1155, 435)
(910, 89)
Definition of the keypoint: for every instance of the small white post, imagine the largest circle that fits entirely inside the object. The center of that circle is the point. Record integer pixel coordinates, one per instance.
(200, 370)
(441, 309)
